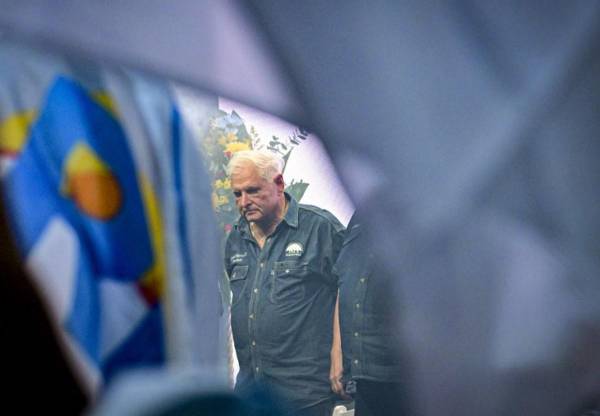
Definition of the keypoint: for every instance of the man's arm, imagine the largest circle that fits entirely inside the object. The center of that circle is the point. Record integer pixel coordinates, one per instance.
(337, 367)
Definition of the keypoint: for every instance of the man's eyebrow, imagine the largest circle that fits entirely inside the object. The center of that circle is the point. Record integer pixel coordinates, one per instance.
(246, 189)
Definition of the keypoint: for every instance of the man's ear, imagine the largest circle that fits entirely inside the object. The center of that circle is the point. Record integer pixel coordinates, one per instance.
(279, 182)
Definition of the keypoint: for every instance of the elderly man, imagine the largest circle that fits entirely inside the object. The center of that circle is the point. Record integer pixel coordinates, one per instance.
(279, 258)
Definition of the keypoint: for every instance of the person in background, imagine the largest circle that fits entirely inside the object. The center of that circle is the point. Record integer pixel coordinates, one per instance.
(279, 258)
(372, 370)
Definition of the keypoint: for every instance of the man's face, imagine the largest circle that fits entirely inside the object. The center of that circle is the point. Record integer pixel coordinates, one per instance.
(257, 199)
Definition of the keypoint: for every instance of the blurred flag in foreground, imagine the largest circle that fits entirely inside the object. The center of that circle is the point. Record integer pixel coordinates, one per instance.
(96, 164)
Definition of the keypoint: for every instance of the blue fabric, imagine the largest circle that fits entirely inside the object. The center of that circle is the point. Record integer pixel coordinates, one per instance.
(117, 247)
(140, 349)
(180, 203)
(69, 117)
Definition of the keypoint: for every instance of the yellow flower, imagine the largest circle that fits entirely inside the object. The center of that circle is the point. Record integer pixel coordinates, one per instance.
(236, 147)
(222, 200)
(231, 137)
(219, 200)
(222, 140)
(222, 184)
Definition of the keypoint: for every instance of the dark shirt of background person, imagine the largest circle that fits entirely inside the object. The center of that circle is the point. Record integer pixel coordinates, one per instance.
(373, 370)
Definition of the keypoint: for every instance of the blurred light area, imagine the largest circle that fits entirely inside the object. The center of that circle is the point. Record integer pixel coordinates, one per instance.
(474, 124)
(208, 44)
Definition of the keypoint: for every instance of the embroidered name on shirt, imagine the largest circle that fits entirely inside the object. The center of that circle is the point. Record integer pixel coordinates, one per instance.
(238, 258)
(294, 250)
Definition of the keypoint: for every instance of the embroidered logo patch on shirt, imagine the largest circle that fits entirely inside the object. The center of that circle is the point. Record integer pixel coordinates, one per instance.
(238, 258)
(294, 249)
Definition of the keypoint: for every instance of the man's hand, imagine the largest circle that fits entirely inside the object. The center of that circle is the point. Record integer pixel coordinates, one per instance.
(335, 372)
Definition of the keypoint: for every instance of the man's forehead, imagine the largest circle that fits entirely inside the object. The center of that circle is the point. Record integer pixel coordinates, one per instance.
(245, 173)
(243, 165)
(244, 169)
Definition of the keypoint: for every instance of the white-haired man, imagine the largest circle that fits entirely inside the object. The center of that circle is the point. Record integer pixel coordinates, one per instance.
(279, 258)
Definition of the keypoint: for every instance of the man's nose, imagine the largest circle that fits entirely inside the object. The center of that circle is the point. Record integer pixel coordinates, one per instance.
(244, 200)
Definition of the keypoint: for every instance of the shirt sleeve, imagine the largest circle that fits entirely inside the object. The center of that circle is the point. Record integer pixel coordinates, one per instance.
(335, 240)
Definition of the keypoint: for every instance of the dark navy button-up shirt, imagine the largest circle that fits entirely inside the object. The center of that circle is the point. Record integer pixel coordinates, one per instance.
(283, 301)
(367, 324)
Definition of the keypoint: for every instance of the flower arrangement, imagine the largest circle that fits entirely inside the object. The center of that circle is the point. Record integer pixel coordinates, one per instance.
(227, 135)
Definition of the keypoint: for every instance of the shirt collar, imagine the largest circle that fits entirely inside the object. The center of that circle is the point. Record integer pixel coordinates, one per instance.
(291, 216)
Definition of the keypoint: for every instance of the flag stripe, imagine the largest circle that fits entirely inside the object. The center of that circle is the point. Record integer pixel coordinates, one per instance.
(180, 203)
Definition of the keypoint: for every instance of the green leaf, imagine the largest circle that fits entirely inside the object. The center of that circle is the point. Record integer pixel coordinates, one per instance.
(297, 189)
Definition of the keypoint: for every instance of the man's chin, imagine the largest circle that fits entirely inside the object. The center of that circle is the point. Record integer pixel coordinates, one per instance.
(252, 216)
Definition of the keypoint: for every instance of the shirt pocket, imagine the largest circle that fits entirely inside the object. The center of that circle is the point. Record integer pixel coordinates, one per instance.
(237, 283)
(288, 282)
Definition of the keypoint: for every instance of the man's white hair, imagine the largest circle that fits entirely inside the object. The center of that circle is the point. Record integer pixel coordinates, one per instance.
(268, 164)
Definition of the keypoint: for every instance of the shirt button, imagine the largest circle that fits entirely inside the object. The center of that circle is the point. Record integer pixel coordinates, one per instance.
(362, 279)
(262, 265)
(355, 362)
(253, 343)
(287, 270)
(356, 334)
(357, 305)
(251, 316)
(256, 290)
(257, 369)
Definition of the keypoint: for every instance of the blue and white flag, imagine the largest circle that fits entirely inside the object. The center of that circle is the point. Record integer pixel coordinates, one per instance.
(107, 199)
